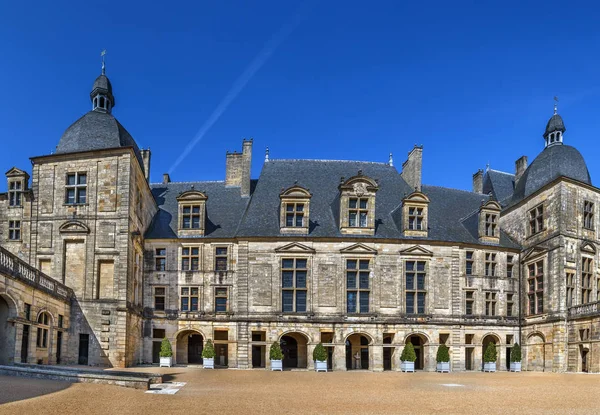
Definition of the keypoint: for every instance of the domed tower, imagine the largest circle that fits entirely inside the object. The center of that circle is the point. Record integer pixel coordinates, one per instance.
(554, 130)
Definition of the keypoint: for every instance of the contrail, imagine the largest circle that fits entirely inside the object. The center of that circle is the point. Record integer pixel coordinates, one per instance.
(239, 85)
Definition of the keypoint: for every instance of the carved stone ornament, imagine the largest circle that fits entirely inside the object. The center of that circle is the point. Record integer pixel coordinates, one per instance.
(360, 188)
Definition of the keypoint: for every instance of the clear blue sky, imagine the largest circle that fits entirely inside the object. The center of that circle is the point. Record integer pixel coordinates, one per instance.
(471, 81)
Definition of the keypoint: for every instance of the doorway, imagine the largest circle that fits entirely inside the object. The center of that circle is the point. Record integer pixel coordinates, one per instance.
(294, 348)
(469, 365)
(84, 348)
(357, 352)
(25, 344)
(419, 346)
(195, 346)
(59, 337)
(584, 360)
(7, 344)
(258, 353)
(156, 352)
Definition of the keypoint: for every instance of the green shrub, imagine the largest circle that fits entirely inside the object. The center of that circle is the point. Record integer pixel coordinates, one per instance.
(320, 353)
(275, 353)
(515, 353)
(165, 348)
(490, 353)
(443, 354)
(408, 354)
(209, 351)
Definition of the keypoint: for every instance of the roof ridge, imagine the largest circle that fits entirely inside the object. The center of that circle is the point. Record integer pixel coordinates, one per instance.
(199, 181)
(458, 190)
(327, 160)
(503, 172)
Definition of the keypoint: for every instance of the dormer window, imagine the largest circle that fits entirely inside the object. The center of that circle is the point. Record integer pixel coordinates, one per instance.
(190, 217)
(357, 205)
(358, 212)
(294, 210)
(489, 216)
(491, 224)
(415, 218)
(15, 189)
(192, 213)
(414, 214)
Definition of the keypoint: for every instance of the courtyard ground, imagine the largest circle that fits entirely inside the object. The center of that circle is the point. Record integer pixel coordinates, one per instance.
(262, 392)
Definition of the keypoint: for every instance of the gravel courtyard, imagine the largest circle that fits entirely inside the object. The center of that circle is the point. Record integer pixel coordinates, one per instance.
(262, 392)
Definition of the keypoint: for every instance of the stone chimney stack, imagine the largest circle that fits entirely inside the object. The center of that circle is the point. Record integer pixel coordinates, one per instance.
(478, 181)
(237, 168)
(146, 160)
(520, 167)
(166, 178)
(411, 168)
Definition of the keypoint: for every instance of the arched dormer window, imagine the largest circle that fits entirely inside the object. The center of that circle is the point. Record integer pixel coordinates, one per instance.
(43, 330)
(294, 210)
(489, 222)
(415, 214)
(357, 205)
(191, 213)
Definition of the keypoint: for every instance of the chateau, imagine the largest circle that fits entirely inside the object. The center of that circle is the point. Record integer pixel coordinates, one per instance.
(98, 265)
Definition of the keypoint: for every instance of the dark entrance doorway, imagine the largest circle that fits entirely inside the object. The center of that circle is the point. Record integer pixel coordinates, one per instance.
(257, 356)
(59, 337)
(584, 360)
(25, 344)
(6, 334)
(195, 346)
(156, 352)
(469, 358)
(419, 346)
(289, 347)
(329, 358)
(84, 348)
(387, 353)
(487, 340)
(357, 352)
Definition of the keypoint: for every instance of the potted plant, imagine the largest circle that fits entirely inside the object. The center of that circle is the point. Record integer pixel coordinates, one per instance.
(489, 358)
(515, 358)
(208, 355)
(320, 358)
(166, 353)
(276, 356)
(443, 359)
(407, 358)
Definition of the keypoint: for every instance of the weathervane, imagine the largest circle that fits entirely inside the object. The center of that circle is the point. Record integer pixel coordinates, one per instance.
(555, 105)
(103, 66)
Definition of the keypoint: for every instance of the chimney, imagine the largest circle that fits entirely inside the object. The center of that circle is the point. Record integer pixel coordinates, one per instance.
(520, 167)
(411, 168)
(166, 178)
(146, 161)
(237, 168)
(478, 181)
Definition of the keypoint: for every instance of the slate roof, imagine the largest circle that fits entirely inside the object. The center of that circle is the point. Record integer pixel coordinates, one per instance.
(555, 123)
(499, 184)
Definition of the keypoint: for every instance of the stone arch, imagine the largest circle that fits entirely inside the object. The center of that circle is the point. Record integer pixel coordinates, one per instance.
(8, 311)
(306, 335)
(189, 344)
(490, 337)
(535, 351)
(424, 336)
(13, 305)
(358, 346)
(361, 333)
(50, 315)
(420, 342)
(294, 345)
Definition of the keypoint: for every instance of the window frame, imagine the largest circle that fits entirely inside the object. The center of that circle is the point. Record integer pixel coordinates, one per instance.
(190, 257)
(156, 295)
(510, 304)
(189, 296)
(510, 265)
(535, 296)
(470, 302)
(470, 260)
(535, 218)
(43, 330)
(358, 210)
(221, 256)
(160, 259)
(218, 295)
(15, 193)
(491, 264)
(415, 290)
(416, 218)
(491, 303)
(191, 215)
(294, 214)
(77, 189)
(588, 215)
(295, 290)
(587, 276)
(14, 230)
(491, 224)
(571, 287)
(359, 291)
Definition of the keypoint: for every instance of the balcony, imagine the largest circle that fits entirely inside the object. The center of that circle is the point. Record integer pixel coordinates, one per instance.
(584, 310)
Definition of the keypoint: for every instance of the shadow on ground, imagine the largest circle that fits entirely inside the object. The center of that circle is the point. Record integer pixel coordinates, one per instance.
(15, 388)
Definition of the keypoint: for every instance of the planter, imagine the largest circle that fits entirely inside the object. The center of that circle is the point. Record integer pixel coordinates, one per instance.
(321, 365)
(443, 367)
(208, 363)
(277, 365)
(515, 366)
(489, 367)
(407, 366)
(166, 362)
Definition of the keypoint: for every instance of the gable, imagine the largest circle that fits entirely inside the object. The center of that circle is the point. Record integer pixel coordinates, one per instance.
(191, 195)
(416, 250)
(534, 253)
(73, 226)
(588, 247)
(358, 249)
(15, 172)
(295, 248)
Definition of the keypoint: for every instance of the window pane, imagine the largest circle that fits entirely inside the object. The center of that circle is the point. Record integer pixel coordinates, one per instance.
(420, 266)
(364, 301)
(363, 219)
(300, 301)
(299, 220)
(287, 279)
(300, 279)
(410, 281)
(195, 263)
(364, 264)
(70, 179)
(161, 251)
(289, 207)
(221, 251)
(194, 290)
(195, 209)
(352, 219)
(410, 303)
(187, 209)
(351, 264)
(287, 263)
(351, 302)
(289, 219)
(301, 263)
(350, 279)
(81, 195)
(410, 266)
(196, 222)
(221, 305)
(70, 196)
(221, 291)
(300, 207)
(364, 280)
(363, 203)
(421, 303)
(194, 304)
(195, 251)
(185, 291)
(185, 264)
(186, 222)
(221, 264)
(352, 203)
(420, 282)
(184, 304)
(288, 301)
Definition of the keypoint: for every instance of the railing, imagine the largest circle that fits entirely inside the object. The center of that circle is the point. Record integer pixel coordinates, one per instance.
(584, 309)
(17, 268)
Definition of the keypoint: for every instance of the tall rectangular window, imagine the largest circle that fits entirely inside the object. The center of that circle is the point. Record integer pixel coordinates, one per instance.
(76, 189)
(570, 283)
(221, 299)
(27, 311)
(293, 285)
(491, 222)
(294, 215)
(415, 218)
(535, 287)
(14, 193)
(415, 287)
(221, 258)
(189, 299)
(358, 212)
(490, 304)
(510, 305)
(190, 217)
(469, 302)
(588, 215)
(490, 265)
(160, 259)
(536, 220)
(587, 272)
(469, 263)
(190, 259)
(358, 287)
(509, 266)
(159, 298)
(14, 230)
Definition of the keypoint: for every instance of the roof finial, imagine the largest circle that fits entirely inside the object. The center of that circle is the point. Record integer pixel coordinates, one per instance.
(391, 161)
(555, 105)
(103, 65)
(267, 155)
(487, 167)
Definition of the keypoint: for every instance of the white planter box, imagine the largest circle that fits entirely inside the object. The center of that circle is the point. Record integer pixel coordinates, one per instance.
(277, 365)
(489, 367)
(407, 366)
(321, 365)
(208, 363)
(166, 362)
(515, 366)
(443, 367)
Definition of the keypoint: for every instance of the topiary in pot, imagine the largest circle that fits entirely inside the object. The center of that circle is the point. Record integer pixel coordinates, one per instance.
(166, 353)
(208, 355)
(408, 358)
(489, 358)
(276, 356)
(443, 359)
(320, 358)
(515, 358)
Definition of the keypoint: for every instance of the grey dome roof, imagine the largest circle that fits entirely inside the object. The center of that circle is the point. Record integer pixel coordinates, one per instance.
(96, 130)
(553, 162)
(555, 123)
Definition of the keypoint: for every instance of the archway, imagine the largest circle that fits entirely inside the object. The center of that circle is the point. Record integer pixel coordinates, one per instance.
(357, 352)
(490, 338)
(294, 348)
(189, 347)
(7, 334)
(419, 343)
(536, 352)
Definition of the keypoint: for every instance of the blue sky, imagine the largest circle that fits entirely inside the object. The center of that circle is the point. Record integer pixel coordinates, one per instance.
(471, 81)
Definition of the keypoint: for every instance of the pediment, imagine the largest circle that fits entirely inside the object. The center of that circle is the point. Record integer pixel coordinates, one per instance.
(295, 248)
(359, 249)
(416, 250)
(491, 205)
(73, 226)
(296, 191)
(534, 253)
(191, 195)
(15, 172)
(588, 247)
(416, 196)
(359, 184)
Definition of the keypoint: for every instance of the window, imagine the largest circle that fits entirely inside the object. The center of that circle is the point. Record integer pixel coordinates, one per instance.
(190, 217)
(588, 215)
(586, 280)
(160, 259)
(42, 331)
(158, 333)
(221, 299)
(490, 224)
(189, 298)
(509, 266)
(27, 311)
(490, 265)
(159, 298)
(357, 212)
(190, 259)
(536, 220)
(294, 215)
(570, 288)
(535, 284)
(14, 230)
(469, 302)
(60, 321)
(415, 218)
(490, 304)
(415, 287)
(469, 263)
(221, 259)
(76, 189)
(14, 193)
(358, 287)
(293, 285)
(510, 304)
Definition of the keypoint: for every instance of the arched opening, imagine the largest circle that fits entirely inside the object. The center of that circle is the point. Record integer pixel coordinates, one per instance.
(536, 352)
(357, 352)
(102, 102)
(490, 338)
(189, 348)
(419, 342)
(388, 351)
(294, 348)
(7, 334)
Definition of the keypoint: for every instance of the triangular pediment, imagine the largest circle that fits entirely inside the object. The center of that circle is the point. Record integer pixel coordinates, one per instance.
(416, 250)
(295, 248)
(15, 172)
(73, 226)
(359, 249)
(588, 247)
(534, 253)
